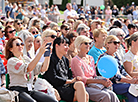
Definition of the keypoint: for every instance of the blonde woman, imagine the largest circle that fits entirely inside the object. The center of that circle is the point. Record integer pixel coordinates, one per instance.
(83, 65)
(33, 30)
(76, 24)
(47, 36)
(121, 81)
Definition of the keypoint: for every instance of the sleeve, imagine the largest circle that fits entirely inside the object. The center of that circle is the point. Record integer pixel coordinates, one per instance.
(2, 68)
(127, 58)
(52, 75)
(117, 77)
(15, 65)
(37, 69)
(77, 70)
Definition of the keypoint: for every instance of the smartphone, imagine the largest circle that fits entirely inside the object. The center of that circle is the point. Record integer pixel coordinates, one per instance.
(47, 53)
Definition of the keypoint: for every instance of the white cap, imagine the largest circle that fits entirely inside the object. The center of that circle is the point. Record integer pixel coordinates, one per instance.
(83, 25)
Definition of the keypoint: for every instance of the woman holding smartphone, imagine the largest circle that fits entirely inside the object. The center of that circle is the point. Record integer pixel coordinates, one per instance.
(47, 36)
(22, 71)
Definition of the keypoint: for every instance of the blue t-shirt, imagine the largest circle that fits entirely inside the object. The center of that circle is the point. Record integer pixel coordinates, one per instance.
(19, 16)
(95, 53)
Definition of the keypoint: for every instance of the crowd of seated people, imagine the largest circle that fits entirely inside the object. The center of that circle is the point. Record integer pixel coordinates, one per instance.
(66, 56)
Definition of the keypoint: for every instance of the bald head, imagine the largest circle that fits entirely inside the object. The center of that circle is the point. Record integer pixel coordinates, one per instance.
(69, 6)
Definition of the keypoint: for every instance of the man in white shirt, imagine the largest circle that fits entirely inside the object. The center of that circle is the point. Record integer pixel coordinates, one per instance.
(69, 13)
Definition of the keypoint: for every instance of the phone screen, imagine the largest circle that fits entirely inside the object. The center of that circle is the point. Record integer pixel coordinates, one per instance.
(47, 53)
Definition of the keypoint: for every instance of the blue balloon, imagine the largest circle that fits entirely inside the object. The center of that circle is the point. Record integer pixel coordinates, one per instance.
(107, 66)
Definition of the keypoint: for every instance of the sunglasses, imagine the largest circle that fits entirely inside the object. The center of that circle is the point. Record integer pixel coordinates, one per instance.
(115, 42)
(38, 41)
(18, 44)
(58, 31)
(87, 43)
(12, 31)
(3, 31)
(121, 35)
(19, 23)
(52, 36)
(35, 32)
(66, 28)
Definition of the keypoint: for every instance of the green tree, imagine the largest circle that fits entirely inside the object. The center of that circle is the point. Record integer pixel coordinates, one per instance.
(50, 2)
(63, 6)
(120, 3)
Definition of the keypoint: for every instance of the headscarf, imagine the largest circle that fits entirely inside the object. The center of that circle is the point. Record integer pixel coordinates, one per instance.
(24, 34)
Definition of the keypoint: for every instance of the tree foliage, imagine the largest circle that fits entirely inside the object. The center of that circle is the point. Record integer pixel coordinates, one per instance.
(120, 3)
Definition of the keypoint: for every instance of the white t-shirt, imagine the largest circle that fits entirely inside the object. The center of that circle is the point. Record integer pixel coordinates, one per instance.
(130, 57)
(69, 13)
(43, 13)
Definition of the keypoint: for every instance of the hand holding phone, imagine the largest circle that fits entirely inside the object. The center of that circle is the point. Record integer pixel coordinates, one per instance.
(47, 53)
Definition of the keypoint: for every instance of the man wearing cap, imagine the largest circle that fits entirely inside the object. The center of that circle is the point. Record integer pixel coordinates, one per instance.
(131, 29)
(69, 13)
(95, 24)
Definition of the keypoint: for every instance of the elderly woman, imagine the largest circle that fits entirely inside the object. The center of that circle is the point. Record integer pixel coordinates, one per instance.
(22, 70)
(120, 34)
(28, 40)
(47, 36)
(83, 65)
(130, 61)
(121, 81)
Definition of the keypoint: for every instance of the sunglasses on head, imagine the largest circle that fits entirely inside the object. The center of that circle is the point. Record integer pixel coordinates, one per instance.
(52, 36)
(19, 23)
(87, 43)
(34, 32)
(18, 44)
(12, 31)
(115, 42)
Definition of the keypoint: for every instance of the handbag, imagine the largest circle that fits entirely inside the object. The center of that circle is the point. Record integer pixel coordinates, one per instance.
(7, 95)
(44, 86)
(133, 89)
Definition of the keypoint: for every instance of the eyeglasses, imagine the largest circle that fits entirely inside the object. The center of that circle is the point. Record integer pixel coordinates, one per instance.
(66, 28)
(115, 42)
(34, 32)
(52, 36)
(19, 23)
(18, 44)
(12, 31)
(87, 43)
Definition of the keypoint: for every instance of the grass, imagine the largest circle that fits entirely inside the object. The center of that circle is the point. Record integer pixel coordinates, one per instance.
(62, 12)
